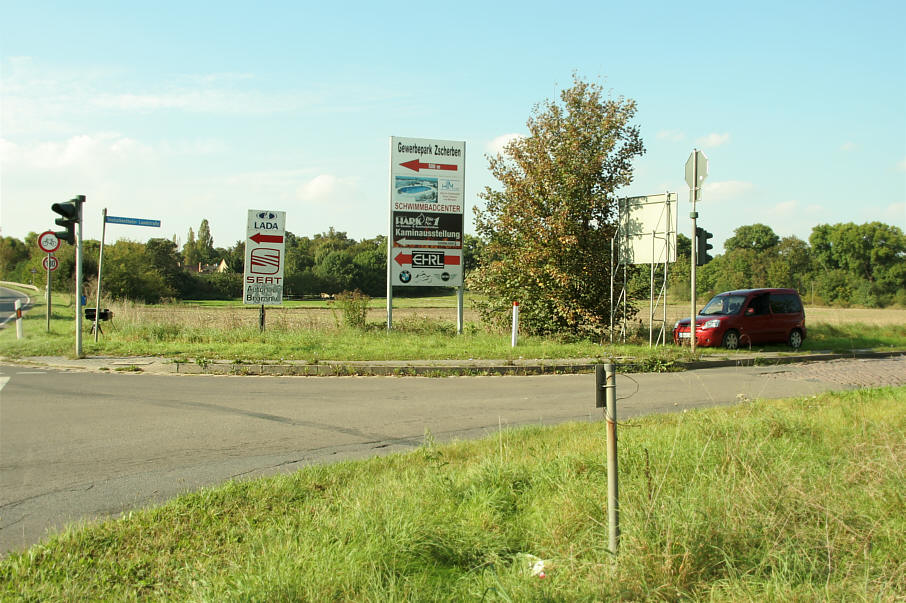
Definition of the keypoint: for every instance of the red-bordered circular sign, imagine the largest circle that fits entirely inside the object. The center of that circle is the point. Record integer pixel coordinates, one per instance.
(50, 263)
(48, 241)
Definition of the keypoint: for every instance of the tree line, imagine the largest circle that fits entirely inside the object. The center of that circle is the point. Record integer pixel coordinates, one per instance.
(328, 262)
(843, 264)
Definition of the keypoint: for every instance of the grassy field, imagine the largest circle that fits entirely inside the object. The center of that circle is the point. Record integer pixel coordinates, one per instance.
(424, 329)
(795, 500)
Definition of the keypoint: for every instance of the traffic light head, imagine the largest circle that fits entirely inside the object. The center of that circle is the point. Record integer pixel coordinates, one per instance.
(71, 212)
(702, 246)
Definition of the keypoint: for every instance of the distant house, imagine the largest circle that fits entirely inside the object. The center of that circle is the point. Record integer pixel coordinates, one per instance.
(222, 266)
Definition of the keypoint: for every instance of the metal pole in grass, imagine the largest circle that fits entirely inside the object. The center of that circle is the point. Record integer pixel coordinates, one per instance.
(261, 319)
(606, 397)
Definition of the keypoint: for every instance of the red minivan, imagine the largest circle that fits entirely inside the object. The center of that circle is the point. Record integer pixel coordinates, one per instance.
(745, 318)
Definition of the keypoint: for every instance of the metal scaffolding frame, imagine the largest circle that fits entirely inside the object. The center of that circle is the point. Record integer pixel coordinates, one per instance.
(644, 220)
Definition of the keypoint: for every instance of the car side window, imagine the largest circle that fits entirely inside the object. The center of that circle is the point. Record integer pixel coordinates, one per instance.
(760, 305)
(785, 304)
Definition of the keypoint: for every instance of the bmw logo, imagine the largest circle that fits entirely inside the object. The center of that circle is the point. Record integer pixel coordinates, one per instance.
(405, 276)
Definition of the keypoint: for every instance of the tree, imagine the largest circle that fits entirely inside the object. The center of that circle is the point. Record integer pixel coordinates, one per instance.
(548, 231)
(12, 251)
(204, 242)
(757, 237)
(190, 251)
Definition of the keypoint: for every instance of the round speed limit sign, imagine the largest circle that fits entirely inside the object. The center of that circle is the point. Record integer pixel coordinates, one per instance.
(48, 241)
(50, 263)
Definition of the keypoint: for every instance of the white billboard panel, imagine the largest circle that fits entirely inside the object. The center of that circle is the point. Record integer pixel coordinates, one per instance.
(648, 229)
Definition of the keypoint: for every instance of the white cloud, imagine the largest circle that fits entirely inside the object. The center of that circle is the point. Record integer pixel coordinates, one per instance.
(319, 188)
(783, 209)
(671, 135)
(727, 190)
(202, 101)
(496, 146)
(82, 150)
(896, 213)
(713, 139)
(901, 166)
(848, 146)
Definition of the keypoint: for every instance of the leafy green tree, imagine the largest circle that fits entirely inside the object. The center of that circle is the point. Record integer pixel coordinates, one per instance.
(471, 250)
(338, 271)
(12, 252)
(190, 255)
(874, 253)
(163, 256)
(756, 237)
(129, 275)
(549, 228)
(204, 242)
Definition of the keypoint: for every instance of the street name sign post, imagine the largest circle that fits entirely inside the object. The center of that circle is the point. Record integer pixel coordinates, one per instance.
(265, 258)
(696, 172)
(427, 194)
(105, 220)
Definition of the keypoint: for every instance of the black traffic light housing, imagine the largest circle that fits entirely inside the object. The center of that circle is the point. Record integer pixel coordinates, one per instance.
(702, 246)
(72, 214)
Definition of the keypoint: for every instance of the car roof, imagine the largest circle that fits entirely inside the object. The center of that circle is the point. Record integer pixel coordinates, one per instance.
(751, 291)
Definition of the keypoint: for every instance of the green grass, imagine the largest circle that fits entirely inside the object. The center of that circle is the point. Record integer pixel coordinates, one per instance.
(230, 336)
(799, 499)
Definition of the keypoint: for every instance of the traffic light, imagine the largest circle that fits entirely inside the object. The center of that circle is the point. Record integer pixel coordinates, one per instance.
(72, 214)
(702, 246)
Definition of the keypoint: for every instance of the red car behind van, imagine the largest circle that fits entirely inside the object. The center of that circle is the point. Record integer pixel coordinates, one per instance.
(747, 317)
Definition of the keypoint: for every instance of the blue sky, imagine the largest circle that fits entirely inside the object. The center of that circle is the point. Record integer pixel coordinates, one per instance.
(188, 110)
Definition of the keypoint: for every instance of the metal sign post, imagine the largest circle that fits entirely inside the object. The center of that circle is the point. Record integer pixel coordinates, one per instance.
(696, 172)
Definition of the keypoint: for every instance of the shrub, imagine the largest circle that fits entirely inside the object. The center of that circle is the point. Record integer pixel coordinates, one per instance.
(354, 305)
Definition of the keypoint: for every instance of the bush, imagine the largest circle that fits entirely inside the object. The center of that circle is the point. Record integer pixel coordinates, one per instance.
(354, 305)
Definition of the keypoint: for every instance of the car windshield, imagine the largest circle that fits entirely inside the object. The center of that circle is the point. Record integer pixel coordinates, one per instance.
(723, 305)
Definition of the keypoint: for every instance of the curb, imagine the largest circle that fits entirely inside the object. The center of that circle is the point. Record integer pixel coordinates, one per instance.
(349, 369)
(151, 365)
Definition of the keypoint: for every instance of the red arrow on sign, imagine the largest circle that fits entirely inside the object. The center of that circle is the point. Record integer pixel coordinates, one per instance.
(263, 238)
(406, 258)
(417, 165)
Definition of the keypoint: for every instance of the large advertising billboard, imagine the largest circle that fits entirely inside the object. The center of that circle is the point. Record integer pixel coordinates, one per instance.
(427, 181)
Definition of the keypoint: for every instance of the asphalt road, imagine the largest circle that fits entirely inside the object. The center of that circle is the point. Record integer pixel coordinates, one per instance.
(78, 445)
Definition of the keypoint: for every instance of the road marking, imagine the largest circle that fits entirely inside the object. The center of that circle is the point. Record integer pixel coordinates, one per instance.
(3, 381)
(31, 372)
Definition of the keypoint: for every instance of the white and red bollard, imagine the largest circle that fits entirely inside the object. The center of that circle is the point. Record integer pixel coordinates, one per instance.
(18, 306)
(515, 324)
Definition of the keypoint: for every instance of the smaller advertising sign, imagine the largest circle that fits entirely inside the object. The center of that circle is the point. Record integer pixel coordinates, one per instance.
(262, 281)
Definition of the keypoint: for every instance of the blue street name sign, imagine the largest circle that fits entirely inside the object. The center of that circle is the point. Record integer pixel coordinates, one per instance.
(133, 221)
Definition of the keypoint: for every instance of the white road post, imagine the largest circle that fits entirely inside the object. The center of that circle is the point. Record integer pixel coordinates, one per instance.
(18, 306)
(515, 324)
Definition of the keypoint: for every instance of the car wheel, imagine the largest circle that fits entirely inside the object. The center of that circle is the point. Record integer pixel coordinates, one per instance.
(795, 339)
(731, 340)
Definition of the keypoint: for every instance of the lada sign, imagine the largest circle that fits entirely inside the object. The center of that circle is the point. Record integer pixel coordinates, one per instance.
(265, 255)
